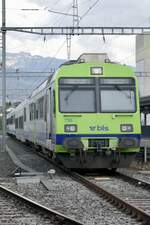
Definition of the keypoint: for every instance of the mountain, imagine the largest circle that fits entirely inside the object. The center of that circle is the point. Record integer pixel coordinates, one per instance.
(23, 71)
(26, 62)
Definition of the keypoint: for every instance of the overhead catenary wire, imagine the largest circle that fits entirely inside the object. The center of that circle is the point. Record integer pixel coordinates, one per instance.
(89, 9)
(63, 43)
(64, 16)
(132, 54)
(61, 46)
(49, 10)
(62, 13)
(117, 37)
(48, 66)
(61, 19)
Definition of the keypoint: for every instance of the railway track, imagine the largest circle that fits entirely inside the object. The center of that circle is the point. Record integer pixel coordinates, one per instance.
(128, 196)
(18, 210)
(138, 181)
(135, 206)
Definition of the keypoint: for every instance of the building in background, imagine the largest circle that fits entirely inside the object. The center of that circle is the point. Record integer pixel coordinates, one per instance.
(143, 69)
(143, 63)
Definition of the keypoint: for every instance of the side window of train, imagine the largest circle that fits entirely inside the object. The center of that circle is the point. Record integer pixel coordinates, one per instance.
(36, 110)
(45, 107)
(30, 112)
(54, 103)
(16, 123)
(41, 107)
(21, 125)
(25, 117)
(13, 119)
(32, 109)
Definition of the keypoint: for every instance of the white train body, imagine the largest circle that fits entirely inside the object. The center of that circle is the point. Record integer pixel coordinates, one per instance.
(29, 121)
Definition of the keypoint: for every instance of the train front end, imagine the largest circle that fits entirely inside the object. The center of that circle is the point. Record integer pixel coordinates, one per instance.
(97, 115)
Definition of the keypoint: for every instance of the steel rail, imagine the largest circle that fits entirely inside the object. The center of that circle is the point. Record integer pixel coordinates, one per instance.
(63, 218)
(121, 204)
(134, 180)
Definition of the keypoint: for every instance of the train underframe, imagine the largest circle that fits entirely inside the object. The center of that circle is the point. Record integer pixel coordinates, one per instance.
(98, 153)
(96, 160)
(81, 159)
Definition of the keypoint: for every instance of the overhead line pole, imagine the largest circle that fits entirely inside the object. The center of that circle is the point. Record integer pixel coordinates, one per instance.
(3, 29)
(75, 24)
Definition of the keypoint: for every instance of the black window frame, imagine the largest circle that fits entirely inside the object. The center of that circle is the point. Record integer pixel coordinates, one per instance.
(81, 86)
(99, 86)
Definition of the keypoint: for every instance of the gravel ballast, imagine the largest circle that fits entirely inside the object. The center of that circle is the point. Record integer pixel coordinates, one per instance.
(73, 199)
(63, 194)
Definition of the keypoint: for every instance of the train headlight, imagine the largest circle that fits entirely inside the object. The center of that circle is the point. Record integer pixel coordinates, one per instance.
(126, 127)
(96, 70)
(73, 143)
(70, 128)
(128, 143)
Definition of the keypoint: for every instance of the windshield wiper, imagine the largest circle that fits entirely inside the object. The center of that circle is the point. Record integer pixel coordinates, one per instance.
(70, 93)
(119, 89)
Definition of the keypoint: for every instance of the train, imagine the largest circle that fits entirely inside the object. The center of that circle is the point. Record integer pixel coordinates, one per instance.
(85, 116)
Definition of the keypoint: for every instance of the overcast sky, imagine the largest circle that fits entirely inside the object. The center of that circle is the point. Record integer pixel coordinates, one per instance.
(105, 13)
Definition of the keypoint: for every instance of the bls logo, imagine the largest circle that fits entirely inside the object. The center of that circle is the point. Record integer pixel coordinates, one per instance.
(99, 128)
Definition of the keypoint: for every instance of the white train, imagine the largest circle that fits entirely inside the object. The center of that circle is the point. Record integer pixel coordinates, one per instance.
(29, 120)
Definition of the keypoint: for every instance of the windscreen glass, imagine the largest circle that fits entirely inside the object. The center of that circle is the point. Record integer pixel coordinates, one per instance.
(77, 99)
(97, 95)
(117, 100)
(117, 95)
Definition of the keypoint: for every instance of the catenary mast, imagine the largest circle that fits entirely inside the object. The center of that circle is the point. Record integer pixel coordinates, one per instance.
(75, 24)
(3, 29)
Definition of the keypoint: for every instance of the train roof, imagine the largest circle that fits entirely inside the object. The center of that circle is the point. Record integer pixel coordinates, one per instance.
(41, 86)
(93, 57)
(89, 57)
